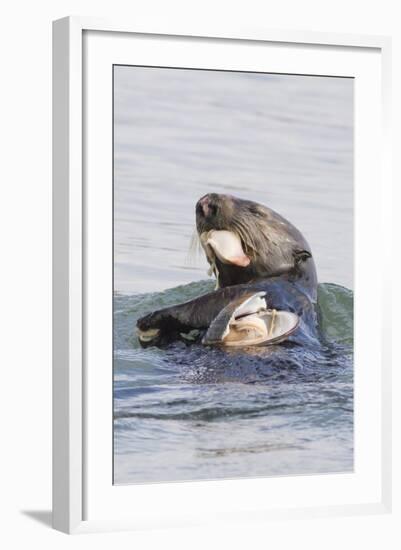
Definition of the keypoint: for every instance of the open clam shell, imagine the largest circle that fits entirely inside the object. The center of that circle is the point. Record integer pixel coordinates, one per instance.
(248, 322)
(264, 328)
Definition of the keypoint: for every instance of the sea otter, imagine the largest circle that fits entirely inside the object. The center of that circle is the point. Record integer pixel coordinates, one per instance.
(266, 283)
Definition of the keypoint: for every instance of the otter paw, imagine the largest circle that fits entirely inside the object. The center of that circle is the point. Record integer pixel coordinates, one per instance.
(147, 336)
(149, 321)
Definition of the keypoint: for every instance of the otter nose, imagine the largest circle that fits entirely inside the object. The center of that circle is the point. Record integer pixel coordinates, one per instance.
(203, 205)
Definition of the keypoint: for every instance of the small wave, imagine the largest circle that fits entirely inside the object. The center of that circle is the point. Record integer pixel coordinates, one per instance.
(256, 449)
(272, 364)
(216, 413)
(336, 313)
(335, 308)
(203, 414)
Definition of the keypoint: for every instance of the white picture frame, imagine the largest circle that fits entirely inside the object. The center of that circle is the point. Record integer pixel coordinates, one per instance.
(75, 478)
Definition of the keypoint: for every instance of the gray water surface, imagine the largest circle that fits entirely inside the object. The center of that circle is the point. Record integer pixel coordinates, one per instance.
(283, 140)
(189, 412)
(286, 141)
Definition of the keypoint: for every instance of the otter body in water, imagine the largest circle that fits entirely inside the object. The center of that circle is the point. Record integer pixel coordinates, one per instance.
(266, 281)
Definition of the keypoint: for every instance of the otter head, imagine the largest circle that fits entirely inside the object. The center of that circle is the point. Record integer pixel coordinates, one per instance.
(245, 241)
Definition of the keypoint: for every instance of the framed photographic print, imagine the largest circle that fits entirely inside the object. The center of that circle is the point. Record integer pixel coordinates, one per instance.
(219, 341)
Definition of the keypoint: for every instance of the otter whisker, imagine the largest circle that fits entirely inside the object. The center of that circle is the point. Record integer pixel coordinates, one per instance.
(245, 235)
(194, 248)
(247, 226)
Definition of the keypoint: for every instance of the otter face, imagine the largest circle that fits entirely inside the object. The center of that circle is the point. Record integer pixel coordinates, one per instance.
(271, 244)
(214, 211)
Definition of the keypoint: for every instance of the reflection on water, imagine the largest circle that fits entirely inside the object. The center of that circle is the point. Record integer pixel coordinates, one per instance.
(194, 413)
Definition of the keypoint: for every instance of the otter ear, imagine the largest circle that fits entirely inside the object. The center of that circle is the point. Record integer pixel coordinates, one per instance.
(301, 256)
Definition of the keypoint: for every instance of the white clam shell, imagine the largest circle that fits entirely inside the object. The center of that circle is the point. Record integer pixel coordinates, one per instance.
(226, 245)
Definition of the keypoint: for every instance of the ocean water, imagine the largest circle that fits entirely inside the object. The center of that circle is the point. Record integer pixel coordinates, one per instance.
(187, 412)
(283, 140)
(193, 413)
